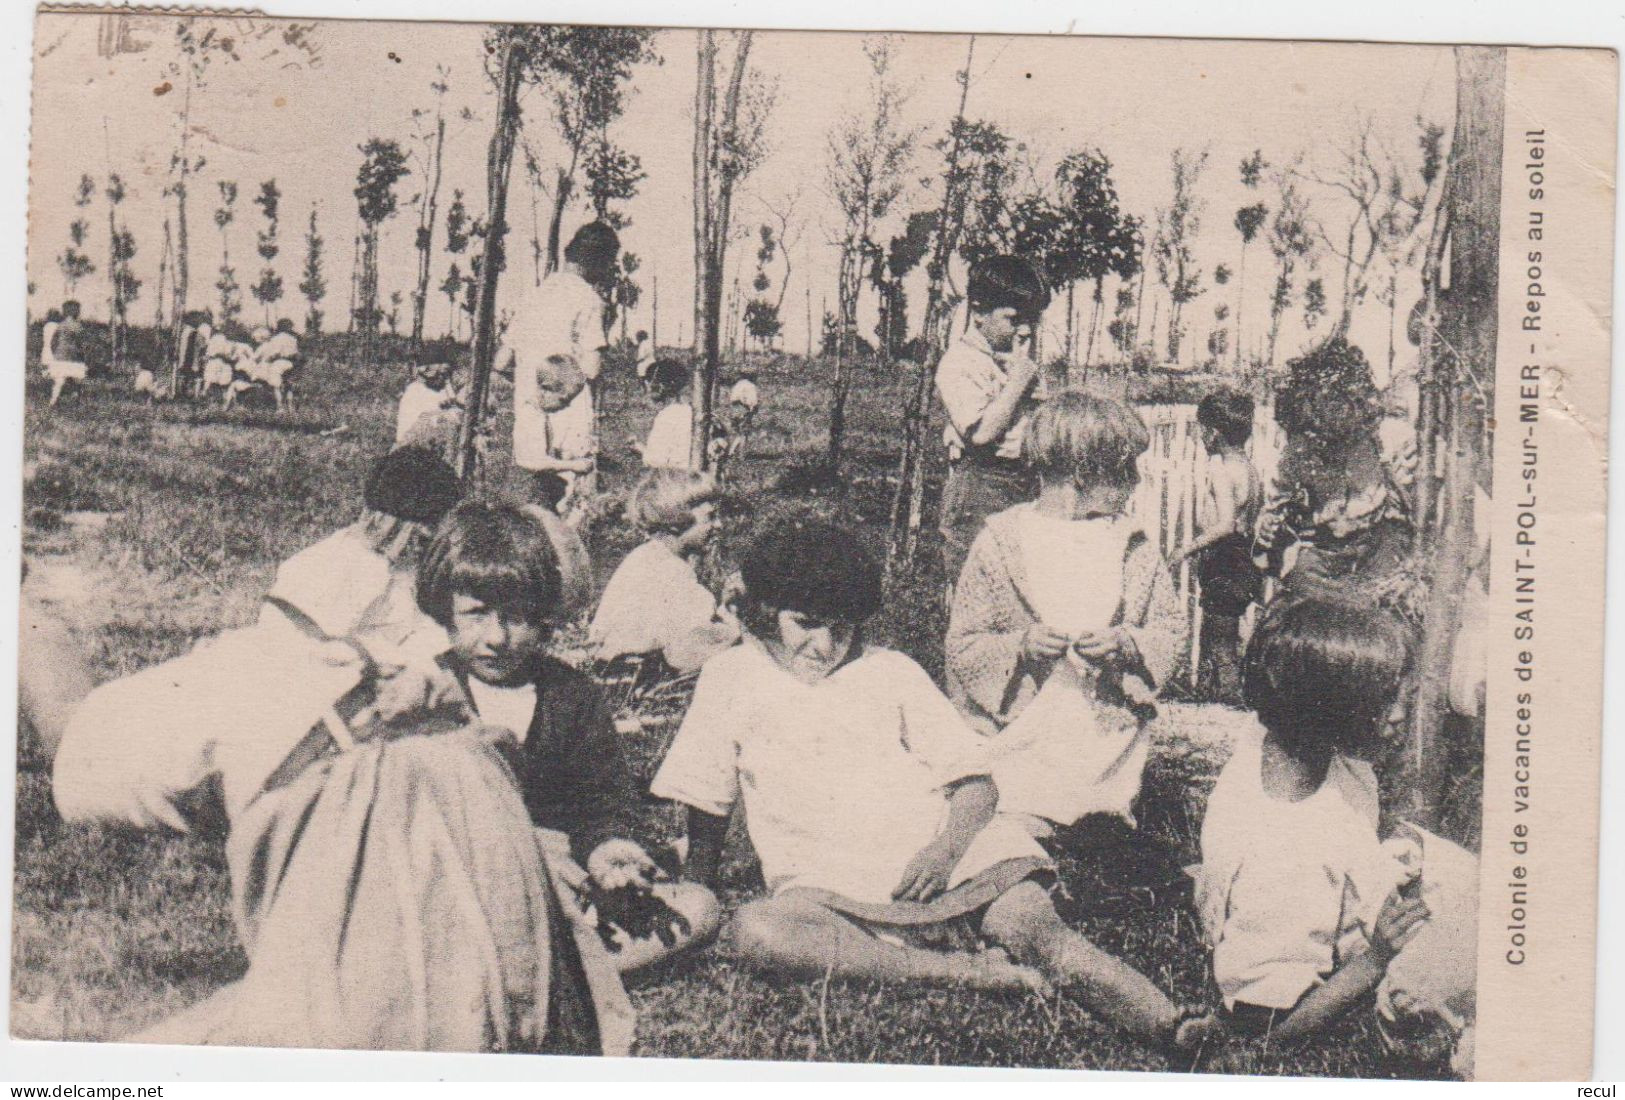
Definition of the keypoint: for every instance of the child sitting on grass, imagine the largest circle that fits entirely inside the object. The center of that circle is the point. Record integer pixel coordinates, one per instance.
(1305, 909)
(869, 804)
(1065, 623)
(495, 581)
(671, 433)
(654, 606)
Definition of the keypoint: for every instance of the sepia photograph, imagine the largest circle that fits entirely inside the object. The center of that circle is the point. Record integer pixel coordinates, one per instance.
(939, 549)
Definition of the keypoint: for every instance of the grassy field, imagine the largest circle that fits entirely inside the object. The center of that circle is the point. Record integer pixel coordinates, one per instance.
(150, 528)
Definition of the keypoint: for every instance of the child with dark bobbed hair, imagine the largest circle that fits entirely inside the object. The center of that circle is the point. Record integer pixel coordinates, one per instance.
(1305, 908)
(869, 804)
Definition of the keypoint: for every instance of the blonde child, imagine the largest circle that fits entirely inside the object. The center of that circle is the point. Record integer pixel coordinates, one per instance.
(1065, 623)
(654, 606)
(1306, 910)
(869, 804)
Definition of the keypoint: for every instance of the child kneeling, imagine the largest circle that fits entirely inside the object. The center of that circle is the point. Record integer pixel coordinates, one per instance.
(1305, 909)
(868, 803)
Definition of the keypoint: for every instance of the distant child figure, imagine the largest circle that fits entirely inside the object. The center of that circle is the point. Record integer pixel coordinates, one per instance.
(494, 578)
(643, 355)
(1065, 623)
(672, 431)
(424, 400)
(654, 606)
(186, 371)
(1306, 910)
(744, 398)
(869, 804)
(989, 388)
(558, 452)
(1226, 516)
(64, 347)
(221, 354)
(559, 325)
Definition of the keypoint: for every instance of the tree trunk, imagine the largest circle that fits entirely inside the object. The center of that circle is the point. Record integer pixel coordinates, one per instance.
(705, 102)
(563, 191)
(1071, 325)
(498, 163)
(1466, 349)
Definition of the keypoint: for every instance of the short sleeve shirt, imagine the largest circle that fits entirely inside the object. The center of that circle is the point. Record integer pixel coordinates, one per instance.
(652, 601)
(670, 437)
(843, 781)
(969, 379)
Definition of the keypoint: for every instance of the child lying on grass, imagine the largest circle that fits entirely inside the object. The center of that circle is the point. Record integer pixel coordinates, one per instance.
(869, 805)
(1306, 910)
(654, 607)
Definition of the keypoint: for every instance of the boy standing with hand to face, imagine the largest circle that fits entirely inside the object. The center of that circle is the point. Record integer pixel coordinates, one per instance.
(988, 387)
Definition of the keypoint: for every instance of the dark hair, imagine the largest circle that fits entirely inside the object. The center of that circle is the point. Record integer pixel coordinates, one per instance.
(595, 245)
(70, 308)
(666, 378)
(412, 483)
(642, 334)
(1323, 674)
(806, 564)
(1228, 413)
(1086, 438)
(1000, 281)
(285, 324)
(496, 553)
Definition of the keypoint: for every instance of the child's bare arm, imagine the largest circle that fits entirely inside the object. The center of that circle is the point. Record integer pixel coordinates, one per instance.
(996, 419)
(970, 807)
(706, 832)
(1351, 981)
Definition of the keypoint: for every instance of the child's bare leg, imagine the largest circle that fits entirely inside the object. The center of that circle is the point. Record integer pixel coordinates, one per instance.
(1023, 921)
(697, 905)
(52, 676)
(804, 939)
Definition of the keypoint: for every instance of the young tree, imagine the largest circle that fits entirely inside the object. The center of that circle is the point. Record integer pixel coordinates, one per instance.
(268, 290)
(731, 107)
(869, 158)
(430, 150)
(624, 294)
(1177, 227)
(1098, 238)
(123, 285)
(1290, 244)
(231, 298)
(452, 288)
(313, 285)
(383, 164)
(889, 271)
(585, 73)
(1248, 221)
(74, 261)
(394, 314)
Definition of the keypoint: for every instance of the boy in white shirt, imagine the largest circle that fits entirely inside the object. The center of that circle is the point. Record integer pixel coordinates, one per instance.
(988, 387)
(1304, 907)
(428, 395)
(561, 320)
(671, 434)
(869, 805)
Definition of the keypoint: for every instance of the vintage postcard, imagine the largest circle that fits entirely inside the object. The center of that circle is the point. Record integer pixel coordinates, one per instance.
(951, 549)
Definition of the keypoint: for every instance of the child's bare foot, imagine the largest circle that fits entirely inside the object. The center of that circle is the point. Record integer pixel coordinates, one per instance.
(1193, 1027)
(997, 969)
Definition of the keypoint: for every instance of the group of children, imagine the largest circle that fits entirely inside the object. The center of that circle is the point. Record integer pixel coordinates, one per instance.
(904, 833)
(210, 360)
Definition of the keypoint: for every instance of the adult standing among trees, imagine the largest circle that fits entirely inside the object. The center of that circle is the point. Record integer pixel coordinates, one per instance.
(558, 327)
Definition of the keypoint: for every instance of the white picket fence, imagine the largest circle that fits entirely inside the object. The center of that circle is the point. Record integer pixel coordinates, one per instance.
(1173, 474)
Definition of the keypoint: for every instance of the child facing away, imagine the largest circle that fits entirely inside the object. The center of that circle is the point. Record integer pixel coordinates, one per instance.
(654, 606)
(424, 401)
(1306, 910)
(64, 344)
(496, 580)
(869, 803)
(667, 447)
(1065, 623)
(1226, 517)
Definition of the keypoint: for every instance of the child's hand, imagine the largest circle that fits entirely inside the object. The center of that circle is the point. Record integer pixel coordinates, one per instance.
(1112, 644)
(618, 863)
(927, 873)
(1399, 918)
(1042, 643)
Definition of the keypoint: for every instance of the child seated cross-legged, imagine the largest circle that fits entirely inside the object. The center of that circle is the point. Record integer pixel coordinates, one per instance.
(1065, 622)
(654, 607)
(1306, 910)
(868, 803)
(494, 578)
